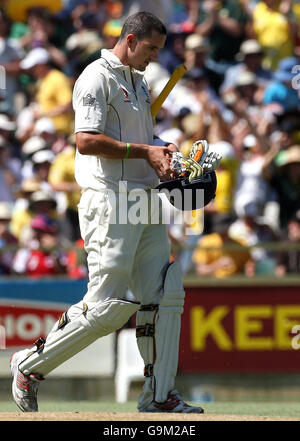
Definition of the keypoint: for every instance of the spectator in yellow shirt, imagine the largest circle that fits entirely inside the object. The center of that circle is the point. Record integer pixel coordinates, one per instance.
(54, 92)
(61, 178)
(212, 259)
(275, 24)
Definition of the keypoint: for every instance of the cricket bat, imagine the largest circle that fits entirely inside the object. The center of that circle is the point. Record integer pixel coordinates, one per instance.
(178, 73)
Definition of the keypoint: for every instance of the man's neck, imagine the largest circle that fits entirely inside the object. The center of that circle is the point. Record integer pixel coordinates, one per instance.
(120, 51)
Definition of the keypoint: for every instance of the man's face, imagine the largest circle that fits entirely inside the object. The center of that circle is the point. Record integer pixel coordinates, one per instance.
(142, 52)
(253, 61)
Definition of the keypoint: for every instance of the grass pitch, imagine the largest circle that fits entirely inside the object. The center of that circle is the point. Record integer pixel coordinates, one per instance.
(101, 409)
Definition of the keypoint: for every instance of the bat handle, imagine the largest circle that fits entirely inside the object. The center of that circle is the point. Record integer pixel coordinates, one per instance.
(175, 77)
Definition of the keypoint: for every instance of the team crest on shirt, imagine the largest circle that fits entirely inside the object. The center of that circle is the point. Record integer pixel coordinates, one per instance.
(89, 100)
(126, 100)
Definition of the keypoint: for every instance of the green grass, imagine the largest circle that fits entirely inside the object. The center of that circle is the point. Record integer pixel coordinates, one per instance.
(271, 409)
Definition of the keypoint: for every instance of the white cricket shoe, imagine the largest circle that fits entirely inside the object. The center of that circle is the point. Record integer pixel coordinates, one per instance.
(173, 404)
(24, 387)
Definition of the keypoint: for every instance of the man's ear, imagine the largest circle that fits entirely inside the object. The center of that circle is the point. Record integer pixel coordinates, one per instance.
(131, 41)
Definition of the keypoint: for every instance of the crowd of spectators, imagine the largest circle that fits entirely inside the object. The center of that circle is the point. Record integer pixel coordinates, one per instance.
(241, 92)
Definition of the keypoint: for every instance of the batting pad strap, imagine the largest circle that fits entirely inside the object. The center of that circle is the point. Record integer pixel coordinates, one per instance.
(148, 370)
(151, 307)
(148, 330)
(40, 343)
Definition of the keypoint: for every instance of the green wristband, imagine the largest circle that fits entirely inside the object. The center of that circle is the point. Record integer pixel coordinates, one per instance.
(127, 150)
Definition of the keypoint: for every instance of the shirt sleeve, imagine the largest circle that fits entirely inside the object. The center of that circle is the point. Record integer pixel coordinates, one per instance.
(159, 141)
(90, 103)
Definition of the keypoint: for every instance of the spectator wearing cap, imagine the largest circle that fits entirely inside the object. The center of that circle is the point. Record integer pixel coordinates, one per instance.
(288, 260)
(283, 174)
(250, 60)
(42, 161)
(218, 255)
(8, 242)
(40, 202)
(281, 90)
(196, 56)
(246, 87)
(223, 23)
(54, 92)
(27, 125)
(41, 258)
(33, 145)
(250, 229)
(26, 188)
(276, 27)
(45, 128)
(246, 102)
(29, 148)
(251, 187)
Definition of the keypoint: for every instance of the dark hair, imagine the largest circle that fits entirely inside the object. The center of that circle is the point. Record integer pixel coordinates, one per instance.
(141, 25)
(40, 12)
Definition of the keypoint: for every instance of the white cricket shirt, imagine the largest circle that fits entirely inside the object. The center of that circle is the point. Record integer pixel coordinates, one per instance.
(105, 101)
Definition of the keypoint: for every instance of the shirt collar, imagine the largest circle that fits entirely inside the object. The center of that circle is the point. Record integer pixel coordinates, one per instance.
(115, 62)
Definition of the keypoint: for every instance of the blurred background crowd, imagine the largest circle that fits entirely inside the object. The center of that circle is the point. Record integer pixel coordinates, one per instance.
(241, 92)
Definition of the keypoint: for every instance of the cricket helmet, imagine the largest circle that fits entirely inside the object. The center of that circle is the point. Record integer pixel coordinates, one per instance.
(186, 195)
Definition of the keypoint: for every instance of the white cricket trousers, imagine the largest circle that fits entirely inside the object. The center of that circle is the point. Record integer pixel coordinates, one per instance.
(122, 256)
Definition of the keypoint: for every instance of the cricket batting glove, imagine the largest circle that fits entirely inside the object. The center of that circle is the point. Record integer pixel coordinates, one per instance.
(199, 161)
